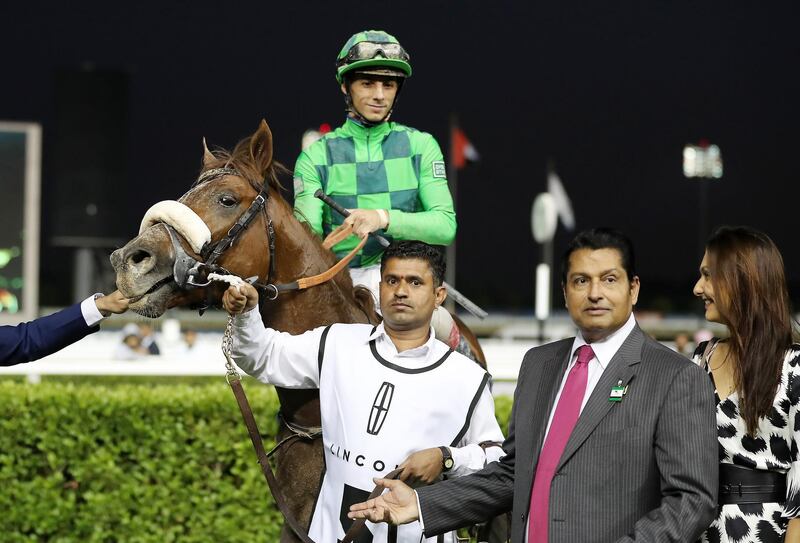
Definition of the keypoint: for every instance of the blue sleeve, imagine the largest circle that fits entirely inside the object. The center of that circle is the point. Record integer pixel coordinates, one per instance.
(43, 336)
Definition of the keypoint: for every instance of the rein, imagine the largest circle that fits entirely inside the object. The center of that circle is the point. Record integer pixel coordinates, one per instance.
(337, 235)
(235, 382)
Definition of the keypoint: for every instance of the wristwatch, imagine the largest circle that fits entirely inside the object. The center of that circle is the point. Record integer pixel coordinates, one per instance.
(447, 459)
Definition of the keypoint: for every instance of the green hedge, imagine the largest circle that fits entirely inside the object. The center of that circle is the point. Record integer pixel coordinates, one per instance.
(135, 463)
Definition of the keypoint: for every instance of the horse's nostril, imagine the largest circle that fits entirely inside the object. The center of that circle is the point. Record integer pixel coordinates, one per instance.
(138, 256)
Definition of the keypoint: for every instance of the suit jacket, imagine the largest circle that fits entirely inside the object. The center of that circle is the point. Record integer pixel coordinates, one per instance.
(642, 469)
(43, 336)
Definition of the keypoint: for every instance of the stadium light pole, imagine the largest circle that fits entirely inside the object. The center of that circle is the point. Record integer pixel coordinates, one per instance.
(544, 220)
(702, 161)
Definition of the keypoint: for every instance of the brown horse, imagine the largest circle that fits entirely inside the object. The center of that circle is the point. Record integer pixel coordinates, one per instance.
(148, 272)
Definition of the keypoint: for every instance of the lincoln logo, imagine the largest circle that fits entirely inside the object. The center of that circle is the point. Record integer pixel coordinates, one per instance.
(380, 407)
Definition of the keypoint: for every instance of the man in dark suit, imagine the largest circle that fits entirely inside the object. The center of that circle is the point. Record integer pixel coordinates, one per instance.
(43, 336)
(612, 436)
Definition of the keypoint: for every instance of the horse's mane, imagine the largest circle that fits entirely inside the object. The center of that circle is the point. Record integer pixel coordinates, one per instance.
(241, 160)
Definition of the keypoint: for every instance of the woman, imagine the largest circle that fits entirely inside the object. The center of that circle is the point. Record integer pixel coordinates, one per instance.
(757, 382)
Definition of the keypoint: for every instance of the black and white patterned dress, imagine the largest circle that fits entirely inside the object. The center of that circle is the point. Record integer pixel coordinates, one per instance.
(774, 448)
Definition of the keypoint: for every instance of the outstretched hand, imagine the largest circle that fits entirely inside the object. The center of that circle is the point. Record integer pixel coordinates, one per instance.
(112, 303)
(398, 505)
(240, 299)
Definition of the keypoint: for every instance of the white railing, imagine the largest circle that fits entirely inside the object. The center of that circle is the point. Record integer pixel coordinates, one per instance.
(94, 355)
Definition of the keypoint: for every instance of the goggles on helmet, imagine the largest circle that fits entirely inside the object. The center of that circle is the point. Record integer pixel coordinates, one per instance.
(366, 50)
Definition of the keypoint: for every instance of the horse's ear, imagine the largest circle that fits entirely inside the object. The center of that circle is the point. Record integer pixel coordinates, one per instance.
(208, 156)
(261, 147)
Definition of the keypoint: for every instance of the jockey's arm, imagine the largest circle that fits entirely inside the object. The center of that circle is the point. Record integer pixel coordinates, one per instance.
(307, 208)
(435, 223)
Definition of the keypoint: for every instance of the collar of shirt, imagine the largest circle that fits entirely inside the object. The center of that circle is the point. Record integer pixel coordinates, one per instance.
(604, 350)
(416, 357)
(354, 128)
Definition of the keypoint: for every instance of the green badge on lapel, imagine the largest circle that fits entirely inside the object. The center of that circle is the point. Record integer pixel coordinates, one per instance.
(617, 392)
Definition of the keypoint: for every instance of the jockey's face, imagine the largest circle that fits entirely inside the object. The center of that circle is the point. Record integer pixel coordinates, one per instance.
(408, 294)
(373, 98)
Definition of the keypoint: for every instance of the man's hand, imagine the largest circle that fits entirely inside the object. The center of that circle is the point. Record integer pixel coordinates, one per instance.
(240, 299)
(113, 303)
(424, 466)
(396, 506)
(365, 221)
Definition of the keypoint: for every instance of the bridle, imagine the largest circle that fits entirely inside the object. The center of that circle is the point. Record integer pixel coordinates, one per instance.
(189, 272)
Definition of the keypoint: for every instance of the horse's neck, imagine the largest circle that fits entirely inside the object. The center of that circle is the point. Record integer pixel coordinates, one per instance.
(299, 253)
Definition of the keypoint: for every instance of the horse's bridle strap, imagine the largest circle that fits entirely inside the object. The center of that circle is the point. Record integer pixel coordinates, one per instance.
(238, 227)
(211, 253)
(263, 460)
(337, 235)
(306, 282)
(314, 280)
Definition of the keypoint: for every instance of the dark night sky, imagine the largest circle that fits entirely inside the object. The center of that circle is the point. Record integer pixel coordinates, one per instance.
(610, 91)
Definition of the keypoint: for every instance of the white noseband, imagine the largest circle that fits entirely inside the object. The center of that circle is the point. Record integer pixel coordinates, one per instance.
(180, 217)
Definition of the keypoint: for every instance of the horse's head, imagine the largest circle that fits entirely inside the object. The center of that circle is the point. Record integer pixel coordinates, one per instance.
(164, 266)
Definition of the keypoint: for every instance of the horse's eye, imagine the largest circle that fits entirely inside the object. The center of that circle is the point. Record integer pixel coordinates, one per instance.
(227, 201)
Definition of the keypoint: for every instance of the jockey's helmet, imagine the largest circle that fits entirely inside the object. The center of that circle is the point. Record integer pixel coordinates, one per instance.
(373, 52)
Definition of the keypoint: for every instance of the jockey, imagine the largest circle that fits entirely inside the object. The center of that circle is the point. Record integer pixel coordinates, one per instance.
(389, 176)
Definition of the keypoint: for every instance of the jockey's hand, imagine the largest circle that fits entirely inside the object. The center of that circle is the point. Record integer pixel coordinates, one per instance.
(240, 299)
(365, 221)
(112, 303)
(396, 506)
(423, 466)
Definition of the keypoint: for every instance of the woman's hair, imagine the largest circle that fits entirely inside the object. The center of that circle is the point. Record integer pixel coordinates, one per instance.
(750, 291)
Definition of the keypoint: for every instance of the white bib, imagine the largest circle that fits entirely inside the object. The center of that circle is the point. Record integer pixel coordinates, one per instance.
(375, 413)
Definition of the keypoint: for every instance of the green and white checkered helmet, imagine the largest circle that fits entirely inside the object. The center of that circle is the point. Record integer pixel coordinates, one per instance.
(373, 52)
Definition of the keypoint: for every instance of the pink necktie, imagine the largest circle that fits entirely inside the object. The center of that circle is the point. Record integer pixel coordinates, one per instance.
(564, 419)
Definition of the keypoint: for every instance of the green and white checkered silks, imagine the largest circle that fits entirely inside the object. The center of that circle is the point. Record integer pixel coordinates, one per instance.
(389, 166)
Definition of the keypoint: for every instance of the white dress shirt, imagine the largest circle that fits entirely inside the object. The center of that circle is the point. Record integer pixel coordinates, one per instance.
(604, 350)
(89, 310)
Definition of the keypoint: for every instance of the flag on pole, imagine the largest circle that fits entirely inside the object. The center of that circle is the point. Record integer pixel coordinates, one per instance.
(563, 205)
(462, 149)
